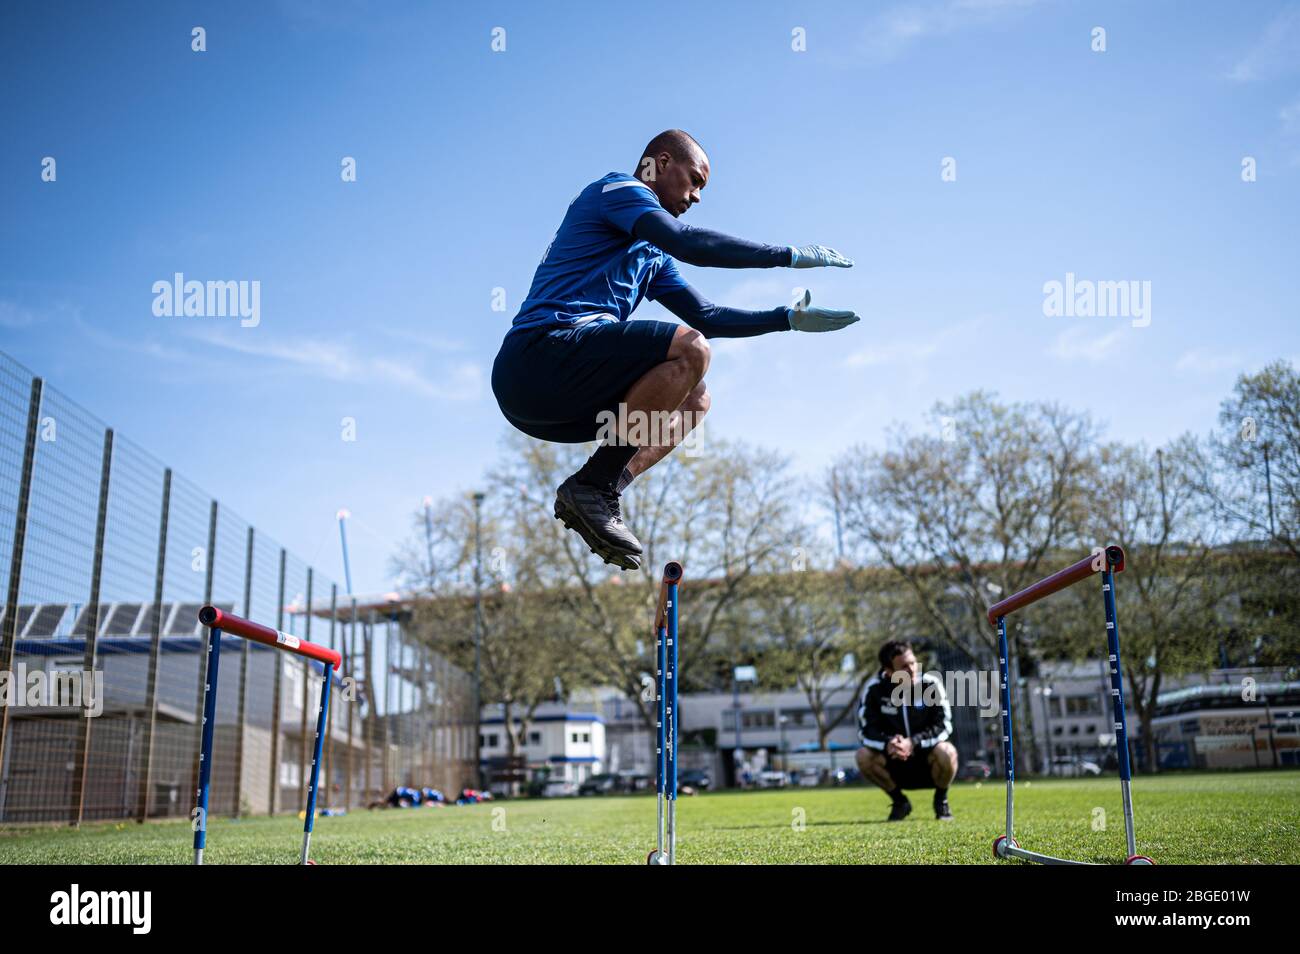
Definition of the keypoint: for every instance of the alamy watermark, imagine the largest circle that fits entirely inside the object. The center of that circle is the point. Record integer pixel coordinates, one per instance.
(179, 298)
(59, 689)
(652, 429)
(1084, 298)
(974, 687)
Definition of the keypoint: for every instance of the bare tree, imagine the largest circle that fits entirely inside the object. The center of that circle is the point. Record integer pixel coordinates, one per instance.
(728, 517)
(821, 632)
(1151, 505)
(522, 651)
(1255, 478)
(971, 510)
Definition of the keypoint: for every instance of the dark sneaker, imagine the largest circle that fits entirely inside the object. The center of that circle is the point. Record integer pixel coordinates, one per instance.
(900, 810)
(594, 513)
(941, 810)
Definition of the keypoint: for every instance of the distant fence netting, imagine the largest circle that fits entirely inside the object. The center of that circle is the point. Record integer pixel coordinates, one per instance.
(106, 556)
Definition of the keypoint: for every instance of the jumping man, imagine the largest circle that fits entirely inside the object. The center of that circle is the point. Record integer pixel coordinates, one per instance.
(572, 360)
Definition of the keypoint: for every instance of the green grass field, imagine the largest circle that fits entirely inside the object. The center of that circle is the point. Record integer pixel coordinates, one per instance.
(1181, 819)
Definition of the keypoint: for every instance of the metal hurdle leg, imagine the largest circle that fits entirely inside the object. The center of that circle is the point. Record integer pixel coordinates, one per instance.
(1006, 846)
(1008, 841)
(205, 748)
(1118, 713)
(658, 856)
(322, 722)
(666, 731)
(671, 730)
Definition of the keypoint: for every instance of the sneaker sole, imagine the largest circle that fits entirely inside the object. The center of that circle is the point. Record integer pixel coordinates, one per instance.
(623, 559)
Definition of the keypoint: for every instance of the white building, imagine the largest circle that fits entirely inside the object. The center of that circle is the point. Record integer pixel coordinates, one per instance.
(563, 746)
(1071, 707)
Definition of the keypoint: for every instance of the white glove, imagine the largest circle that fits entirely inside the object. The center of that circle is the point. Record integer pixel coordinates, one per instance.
(817, 256)
(803, 318)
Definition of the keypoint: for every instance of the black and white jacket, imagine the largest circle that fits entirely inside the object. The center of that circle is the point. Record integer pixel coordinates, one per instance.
(879, 719)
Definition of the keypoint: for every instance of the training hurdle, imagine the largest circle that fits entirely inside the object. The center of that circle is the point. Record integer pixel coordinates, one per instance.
(1107, 562)
(217, 622)
(666, 729)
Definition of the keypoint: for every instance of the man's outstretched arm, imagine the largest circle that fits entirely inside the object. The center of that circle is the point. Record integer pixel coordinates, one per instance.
(719, 321)
(704, 247)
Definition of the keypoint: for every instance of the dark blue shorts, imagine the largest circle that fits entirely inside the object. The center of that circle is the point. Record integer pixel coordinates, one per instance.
(552, 383)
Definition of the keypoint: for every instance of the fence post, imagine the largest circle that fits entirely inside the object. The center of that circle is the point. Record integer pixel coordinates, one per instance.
(354, 705)
(275, 700)
(155, 653)
(243, 679)
(92, 629)
(426, 724)
(328, 766)
(389, 783)
(8, 624)
(368, 723)
(306, 696)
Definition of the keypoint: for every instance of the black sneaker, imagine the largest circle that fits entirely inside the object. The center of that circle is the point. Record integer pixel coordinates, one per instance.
(594, 513)
(941, 810)
(900, 810)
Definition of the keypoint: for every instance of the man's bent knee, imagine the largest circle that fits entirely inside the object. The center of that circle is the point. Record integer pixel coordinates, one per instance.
(946, 752)
(943, 762)
(869, 758)
(691, 347)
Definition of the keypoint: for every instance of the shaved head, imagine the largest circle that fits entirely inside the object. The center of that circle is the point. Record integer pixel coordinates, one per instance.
(677, 143)
(676, 167)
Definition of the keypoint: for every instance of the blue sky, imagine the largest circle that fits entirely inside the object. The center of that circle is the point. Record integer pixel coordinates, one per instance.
(376, 300)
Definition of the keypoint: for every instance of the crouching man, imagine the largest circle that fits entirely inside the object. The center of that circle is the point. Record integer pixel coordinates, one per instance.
(906, 745)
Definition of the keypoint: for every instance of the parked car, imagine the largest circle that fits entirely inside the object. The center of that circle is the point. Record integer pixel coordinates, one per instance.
(697, 779)
(632, 782)
(602, 784)
(771, 779)
(1068, 766)
(560, 788)
(976, 769)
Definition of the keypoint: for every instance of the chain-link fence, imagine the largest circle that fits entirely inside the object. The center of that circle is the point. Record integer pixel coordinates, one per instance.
(106, 556)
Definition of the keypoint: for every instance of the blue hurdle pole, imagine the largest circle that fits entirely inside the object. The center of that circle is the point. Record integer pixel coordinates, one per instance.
(671, 729)
(205, 748)
(322, 722)
(1117, 703)
(1008, 755)
(661, 699)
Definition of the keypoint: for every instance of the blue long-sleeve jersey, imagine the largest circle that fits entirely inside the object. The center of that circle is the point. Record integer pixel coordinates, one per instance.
(616, 246)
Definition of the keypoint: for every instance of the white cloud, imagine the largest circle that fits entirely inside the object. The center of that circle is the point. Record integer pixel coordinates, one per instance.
(1208, 360)
(341, 361)
(760, 294)
(915, 350)
(892, 32)
(431, 342)
(13, 316)
(1275, 53)
(460, 382)
(1086, 342)
(147, 346)
(891, 353)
